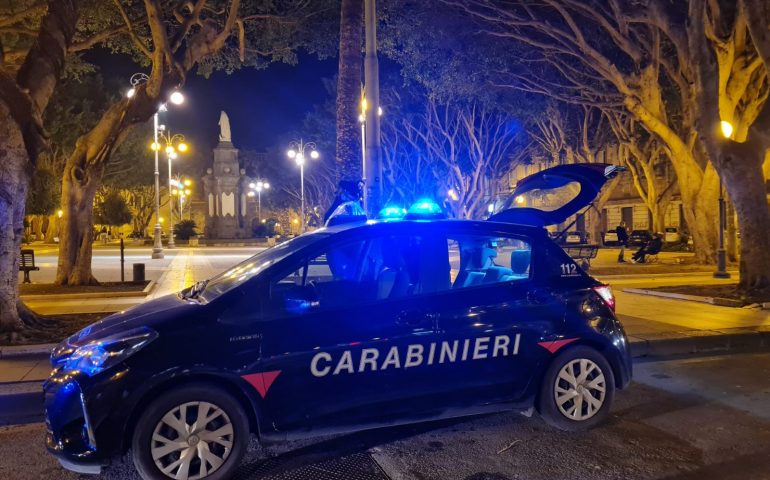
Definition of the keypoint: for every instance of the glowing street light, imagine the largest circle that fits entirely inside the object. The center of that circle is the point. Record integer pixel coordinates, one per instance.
(297, 152)
(172, 145)
(257, 187)
(727, 128)
(176, 97)
(181, 189)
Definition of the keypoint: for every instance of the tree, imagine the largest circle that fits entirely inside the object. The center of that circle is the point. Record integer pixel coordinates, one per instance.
(717, 41)
(458, 151)
(185, 229)
(615, 57)
(349, 83)
(24, 93)
(112, 210)
(170, 38)
(182, 38)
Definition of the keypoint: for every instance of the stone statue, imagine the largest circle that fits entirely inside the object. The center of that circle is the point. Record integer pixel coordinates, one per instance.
(224, 128)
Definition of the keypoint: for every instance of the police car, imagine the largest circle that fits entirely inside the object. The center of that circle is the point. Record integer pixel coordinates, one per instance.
(357, 325)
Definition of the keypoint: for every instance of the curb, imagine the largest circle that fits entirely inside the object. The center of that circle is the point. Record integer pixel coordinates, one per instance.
(698, 343)
(722, 302)
(642, 275)
(85, 296)
(24, 350)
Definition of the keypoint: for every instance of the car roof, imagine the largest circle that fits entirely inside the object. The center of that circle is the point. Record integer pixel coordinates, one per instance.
(439, 223)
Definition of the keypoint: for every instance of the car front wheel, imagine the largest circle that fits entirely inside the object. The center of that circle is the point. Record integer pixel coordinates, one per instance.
(195, 431)
(577, 390)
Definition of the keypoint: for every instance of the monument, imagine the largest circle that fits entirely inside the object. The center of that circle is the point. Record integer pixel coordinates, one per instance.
(225, 187)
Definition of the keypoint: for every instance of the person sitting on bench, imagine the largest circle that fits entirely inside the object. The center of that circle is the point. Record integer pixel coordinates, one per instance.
(651, 248)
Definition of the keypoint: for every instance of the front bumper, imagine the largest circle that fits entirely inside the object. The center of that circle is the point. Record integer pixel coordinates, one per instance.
(85, 418)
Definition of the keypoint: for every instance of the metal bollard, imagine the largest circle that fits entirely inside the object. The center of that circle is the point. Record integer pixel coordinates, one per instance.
(138, 273)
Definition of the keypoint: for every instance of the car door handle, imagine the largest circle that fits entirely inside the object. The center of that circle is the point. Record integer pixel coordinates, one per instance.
(415, 318)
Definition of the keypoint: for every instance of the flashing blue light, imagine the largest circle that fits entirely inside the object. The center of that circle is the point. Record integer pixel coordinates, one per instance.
(392, 213)
(425, 208)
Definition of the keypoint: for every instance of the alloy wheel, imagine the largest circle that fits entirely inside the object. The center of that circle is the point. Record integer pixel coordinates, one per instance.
(580, 389)
(192, 441)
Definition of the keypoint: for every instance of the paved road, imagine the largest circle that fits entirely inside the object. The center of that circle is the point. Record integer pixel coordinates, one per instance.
(703, 418)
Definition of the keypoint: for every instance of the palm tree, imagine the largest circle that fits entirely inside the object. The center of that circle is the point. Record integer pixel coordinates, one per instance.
(349, 91)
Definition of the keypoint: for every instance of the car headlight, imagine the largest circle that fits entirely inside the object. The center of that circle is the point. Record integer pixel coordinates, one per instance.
(99, 355)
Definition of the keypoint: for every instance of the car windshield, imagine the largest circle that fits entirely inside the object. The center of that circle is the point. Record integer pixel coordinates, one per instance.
(250, 267)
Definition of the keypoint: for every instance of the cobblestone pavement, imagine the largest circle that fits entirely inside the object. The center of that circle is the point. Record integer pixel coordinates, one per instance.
(703, 418)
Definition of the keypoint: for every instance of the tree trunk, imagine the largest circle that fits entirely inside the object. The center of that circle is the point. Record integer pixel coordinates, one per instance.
(79, 188)
(14, 181)
(52, 230)
(744, 181)
(348, 161)
(731, 233)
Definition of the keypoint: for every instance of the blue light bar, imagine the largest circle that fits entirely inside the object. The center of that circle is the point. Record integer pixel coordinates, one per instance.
(391, 213)
(425, 209)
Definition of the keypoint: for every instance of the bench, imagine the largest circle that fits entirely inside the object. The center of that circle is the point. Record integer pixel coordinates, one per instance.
(27, 263)
(583, 254)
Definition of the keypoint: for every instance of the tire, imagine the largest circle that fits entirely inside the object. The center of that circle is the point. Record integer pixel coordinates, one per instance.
(221, 410)
(575, 412)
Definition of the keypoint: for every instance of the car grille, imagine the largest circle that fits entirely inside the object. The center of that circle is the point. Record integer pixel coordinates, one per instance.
(359, 466)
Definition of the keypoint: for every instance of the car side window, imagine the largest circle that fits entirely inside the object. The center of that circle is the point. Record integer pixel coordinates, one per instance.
(478, 260)
(370, 270)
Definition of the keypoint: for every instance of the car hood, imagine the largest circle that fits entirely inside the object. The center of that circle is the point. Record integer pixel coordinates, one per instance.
(149, 314)
(587, 178)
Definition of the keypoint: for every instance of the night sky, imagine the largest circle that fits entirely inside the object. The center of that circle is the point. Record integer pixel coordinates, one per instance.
(261, 104)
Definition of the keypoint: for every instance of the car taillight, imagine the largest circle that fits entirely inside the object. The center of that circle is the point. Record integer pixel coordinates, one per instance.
(605, 291)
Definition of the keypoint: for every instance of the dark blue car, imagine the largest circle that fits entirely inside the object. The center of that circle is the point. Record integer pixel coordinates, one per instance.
(354, 326)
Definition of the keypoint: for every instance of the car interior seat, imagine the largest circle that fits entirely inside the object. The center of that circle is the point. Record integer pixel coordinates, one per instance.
(520, 261)
(393, 279)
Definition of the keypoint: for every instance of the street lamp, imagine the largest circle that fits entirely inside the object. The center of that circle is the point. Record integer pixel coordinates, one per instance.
(258, 187)
(727, 132)
(182, 189)
(362, 121)
(176, 98)
(297, 151)
(173, 144)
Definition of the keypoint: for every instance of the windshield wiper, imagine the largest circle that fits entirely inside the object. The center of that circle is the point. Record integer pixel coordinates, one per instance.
(196, 289)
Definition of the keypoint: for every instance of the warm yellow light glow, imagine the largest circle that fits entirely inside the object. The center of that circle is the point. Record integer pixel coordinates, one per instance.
(187, 182)
(250, 194)
(160, 220)
(314, 155)
(520, 199)
(169, 149)
(182, 147)
(131, 92)
(174, 192)
(727, 128)
(154, 146)
(264, 220)
(60, 213)
(363, 105)
(186, 191)
(295, 221)
(452, 194)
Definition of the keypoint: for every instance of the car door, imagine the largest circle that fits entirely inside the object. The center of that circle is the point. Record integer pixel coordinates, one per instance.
(338, 339)
(496, 319)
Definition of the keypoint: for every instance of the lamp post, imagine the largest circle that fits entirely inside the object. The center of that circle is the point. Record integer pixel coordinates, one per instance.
(297, 153)
(172, 144)
(727, 131)
(362, 121)
(176, 98)
(181, 190)
(258, 186)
